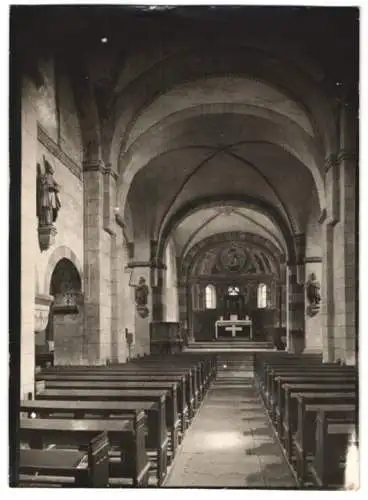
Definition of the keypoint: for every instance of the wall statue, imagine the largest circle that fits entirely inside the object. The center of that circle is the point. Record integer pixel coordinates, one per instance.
(48, 204)
(141, 297)
(313, 288)
(48, 200)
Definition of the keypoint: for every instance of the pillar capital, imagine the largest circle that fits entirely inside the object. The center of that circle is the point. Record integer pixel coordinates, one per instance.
(333, 160)
(146, 263)
(94, 166)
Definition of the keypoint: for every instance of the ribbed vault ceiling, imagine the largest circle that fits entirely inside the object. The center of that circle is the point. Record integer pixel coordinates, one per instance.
(215, 220)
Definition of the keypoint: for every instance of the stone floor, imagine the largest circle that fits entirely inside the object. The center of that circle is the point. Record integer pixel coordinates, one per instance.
(230, 443)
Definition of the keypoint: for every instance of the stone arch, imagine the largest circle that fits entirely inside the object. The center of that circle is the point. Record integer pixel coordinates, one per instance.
(205, 202)
(87, 111)
(240, 60)
(189, 245)
(62, 252)
(65, 268)
(215, 90)
(66, 324)
(272, 129)
(255, 240)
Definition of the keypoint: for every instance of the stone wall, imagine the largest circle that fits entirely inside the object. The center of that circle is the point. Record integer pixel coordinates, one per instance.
(56, 136)
(70, 216)
(29, 246)
(313, 264)
(107, 256)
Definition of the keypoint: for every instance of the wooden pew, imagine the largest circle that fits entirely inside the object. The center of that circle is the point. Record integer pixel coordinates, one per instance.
(290, 418)
(283, 367)
(332, 437)
(136, 370)
(60, 467)
(278, 399)
(53, 468)
(192, 379)
(278, 378)
(157, 439)
(276, 374)
(309, 404)
(135, 465)
(133, 371)
(273, 371)
(201, 372)
(172, 406)
(263, 362)
(106, 376)
(86, 470)
(208, 363)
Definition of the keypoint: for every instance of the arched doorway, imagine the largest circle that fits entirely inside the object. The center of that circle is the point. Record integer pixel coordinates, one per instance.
(65, 328)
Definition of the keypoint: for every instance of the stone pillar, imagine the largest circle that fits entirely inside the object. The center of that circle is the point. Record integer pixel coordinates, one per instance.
(183, 309)
(29, 250)
(125, 305)
(117, 333)
(349, 194)
(93, 176)
(327, 291)
(347, 161)
(157, 279)
(340, 229)
(313, 327)
(283, 296)
(295, 334)
(143, 316)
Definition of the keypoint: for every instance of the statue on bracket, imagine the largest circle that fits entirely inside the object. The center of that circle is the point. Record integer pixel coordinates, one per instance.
(141, 296)
(313, 288)
(48, 204)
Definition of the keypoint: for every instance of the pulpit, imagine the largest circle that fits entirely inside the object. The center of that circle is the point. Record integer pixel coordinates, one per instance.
(165, 337)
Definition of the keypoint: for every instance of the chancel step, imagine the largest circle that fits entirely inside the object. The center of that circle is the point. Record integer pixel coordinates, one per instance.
(238, 345)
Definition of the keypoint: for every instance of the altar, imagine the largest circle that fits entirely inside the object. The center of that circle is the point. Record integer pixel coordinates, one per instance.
(234, 328)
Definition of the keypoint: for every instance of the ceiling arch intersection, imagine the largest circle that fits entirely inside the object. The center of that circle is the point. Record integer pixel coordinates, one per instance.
(223, 216)
(238, 62)
(207, 201)
(262, 133)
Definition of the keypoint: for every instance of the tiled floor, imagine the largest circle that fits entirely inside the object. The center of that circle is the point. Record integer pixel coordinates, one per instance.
(230, 443)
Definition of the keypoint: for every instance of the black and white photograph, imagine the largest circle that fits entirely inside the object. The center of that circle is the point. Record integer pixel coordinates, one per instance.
(184, 247)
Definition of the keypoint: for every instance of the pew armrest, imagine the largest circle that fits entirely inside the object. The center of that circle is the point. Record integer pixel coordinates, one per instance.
(98, 460)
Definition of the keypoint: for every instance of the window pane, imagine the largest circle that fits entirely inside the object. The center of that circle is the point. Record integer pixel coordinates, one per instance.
(210, 297)
(262, 296)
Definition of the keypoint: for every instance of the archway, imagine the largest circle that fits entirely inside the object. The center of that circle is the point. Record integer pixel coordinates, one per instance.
(231, 267)
(64, 332)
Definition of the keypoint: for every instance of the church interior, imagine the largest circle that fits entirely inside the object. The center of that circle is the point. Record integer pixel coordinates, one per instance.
(188, 246)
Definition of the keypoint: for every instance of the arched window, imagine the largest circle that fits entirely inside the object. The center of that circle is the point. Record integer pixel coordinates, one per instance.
(210, 297)
(262, 296)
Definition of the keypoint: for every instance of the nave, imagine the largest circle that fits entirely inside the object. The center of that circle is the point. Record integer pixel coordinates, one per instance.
(225, 420)
(231, 443)
(188, 194)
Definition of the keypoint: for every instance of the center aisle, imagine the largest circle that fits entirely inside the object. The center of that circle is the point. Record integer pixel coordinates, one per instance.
(230, 443)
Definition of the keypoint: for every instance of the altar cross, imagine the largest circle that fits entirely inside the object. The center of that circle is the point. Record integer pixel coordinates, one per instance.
(233, 329)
